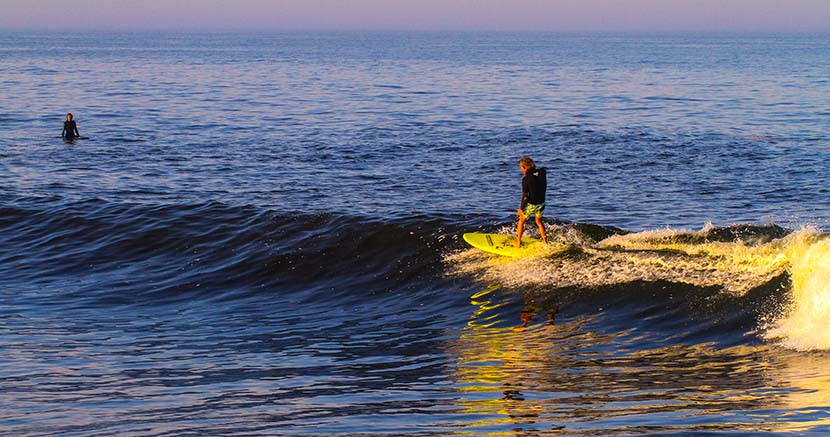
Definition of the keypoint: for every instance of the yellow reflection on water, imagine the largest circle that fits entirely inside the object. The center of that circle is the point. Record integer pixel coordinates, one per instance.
(548, 379)
(804, 380)
(497, 366)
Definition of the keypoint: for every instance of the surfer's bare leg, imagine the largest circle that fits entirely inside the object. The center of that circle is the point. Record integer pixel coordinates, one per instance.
(521, 228)
(541, 228)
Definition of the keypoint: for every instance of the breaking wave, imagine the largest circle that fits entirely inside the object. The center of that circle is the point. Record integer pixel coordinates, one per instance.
(734, 260)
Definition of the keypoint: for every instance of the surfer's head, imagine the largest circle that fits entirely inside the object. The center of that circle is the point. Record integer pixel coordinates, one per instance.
(69, 117)
(526, 164)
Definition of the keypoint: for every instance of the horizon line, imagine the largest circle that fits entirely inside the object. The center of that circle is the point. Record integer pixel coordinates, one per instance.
(418, 30)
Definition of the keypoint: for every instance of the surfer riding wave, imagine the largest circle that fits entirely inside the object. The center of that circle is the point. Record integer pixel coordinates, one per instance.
(534, 185)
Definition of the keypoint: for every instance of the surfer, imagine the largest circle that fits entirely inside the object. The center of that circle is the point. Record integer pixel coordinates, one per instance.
(70, 129)
(534, 185)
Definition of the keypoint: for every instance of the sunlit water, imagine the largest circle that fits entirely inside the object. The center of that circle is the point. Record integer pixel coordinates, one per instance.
(261, 235)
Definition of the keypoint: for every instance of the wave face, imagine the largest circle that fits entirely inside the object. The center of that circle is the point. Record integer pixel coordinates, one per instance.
(187, 252)
(266, 317)
(262, 235)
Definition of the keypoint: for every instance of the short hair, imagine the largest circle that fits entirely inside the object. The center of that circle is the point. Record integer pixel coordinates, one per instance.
(70, 115)
(527, 162)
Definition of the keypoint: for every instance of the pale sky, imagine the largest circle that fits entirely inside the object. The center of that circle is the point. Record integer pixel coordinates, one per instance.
(545, 15)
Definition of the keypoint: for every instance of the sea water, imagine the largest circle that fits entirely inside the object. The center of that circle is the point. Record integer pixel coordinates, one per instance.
(261, 234)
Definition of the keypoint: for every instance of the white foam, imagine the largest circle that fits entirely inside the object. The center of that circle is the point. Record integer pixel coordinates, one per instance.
(679, 256)
(806, 324)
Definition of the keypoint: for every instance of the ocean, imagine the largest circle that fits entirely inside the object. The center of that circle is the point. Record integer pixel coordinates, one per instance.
(261, 234)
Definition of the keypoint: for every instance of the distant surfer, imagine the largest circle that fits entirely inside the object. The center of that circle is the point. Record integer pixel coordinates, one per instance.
(534, 185)
(70, 129)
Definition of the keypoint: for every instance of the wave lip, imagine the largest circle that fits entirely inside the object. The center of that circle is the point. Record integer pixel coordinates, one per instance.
(736, 260)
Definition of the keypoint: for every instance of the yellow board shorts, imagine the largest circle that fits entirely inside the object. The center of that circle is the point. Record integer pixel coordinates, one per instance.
(531, 209)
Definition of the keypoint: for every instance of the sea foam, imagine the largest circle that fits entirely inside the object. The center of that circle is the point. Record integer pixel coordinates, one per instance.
(697, 258)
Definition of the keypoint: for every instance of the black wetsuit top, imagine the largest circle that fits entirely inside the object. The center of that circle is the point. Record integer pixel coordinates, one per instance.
(534, 185)
(70, 130)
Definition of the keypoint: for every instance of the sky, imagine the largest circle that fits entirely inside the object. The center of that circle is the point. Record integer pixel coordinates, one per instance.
(509, 15)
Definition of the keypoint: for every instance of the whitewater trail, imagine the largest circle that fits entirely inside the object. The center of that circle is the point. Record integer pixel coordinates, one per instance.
(725, 258)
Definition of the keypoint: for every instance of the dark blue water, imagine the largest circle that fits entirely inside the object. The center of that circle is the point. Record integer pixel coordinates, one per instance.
(261, 235)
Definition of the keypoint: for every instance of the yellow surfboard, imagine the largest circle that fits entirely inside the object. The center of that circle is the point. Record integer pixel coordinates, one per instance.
(501, 244)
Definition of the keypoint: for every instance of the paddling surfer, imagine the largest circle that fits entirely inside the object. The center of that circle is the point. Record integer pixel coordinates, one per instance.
(70, 129)
(534, 185)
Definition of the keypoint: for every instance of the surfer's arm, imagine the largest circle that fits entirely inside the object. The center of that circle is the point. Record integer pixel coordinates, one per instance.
(525, 190)
(63, 132)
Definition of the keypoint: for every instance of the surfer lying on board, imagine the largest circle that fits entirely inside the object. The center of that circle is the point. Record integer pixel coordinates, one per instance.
(534, 185)
(70, 129)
